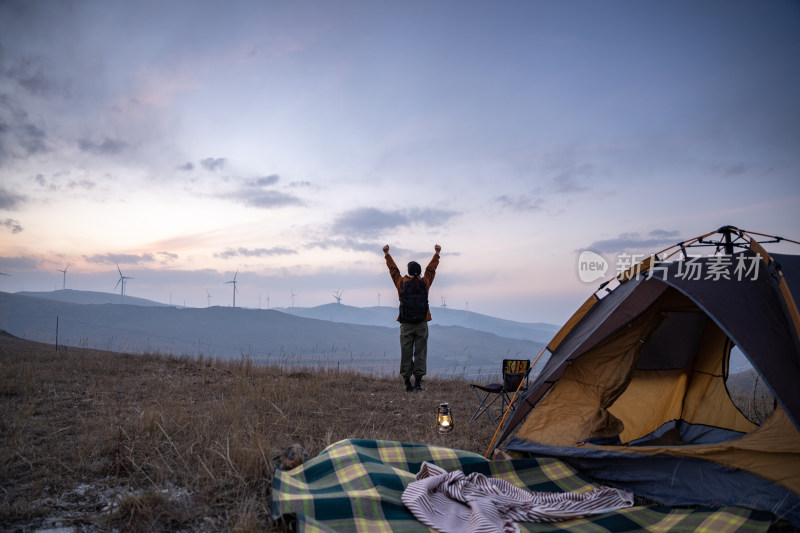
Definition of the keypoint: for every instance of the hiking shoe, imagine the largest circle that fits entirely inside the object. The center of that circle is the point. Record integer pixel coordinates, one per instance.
(409, 388)
(418, 385)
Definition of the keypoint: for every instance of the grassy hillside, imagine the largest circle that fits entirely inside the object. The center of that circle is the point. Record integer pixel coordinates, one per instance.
(98, 440)
(101, 441)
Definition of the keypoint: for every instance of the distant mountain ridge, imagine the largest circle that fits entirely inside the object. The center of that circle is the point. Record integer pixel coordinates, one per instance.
(336, 312)
(263, 335)
(330, 334)
(91, 297)
(387, 316)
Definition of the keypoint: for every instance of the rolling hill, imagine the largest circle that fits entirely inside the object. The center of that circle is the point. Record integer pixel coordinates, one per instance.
(262, 335)
(386, 316)
(90, 297)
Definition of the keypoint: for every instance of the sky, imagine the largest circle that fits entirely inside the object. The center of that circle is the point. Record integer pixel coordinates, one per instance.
(186, 143)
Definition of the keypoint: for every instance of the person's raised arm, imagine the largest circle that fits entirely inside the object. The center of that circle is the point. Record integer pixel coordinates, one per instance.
(394, 272)
(430, 270)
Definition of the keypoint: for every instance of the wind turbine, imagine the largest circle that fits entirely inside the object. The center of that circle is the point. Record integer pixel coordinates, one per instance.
(379, 298)
(293, 295)
(208, 296)
(64, 286)
(120, 281)
(338, 296)
(234, 286)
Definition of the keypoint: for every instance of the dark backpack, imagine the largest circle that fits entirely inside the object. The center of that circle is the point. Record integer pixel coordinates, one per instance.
(414, 301)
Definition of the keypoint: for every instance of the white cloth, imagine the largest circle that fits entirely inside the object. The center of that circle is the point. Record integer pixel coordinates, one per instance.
(454, 502)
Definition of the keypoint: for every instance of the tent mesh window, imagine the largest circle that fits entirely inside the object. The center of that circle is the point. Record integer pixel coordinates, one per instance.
(747, 389)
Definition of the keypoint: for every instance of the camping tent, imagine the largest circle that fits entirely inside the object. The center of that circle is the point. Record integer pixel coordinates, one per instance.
(635, 391)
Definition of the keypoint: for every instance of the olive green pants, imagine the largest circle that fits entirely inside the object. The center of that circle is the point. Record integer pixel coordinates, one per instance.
(413, 349)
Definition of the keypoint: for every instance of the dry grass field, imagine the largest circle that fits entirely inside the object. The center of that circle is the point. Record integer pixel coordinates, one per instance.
(101, 441)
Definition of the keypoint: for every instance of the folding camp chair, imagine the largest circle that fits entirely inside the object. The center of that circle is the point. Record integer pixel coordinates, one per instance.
(515, 372)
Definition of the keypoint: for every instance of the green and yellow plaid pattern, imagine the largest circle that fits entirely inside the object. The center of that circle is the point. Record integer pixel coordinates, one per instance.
(356, 486)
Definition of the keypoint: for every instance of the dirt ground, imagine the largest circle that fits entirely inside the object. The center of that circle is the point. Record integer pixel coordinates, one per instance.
(101, 441)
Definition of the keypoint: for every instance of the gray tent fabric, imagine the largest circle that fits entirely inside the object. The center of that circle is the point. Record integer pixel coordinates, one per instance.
(752, 313)
(675, 481)
(613, 312)
(790, 265)
(693, 308)
(691, 433)
(674, 343)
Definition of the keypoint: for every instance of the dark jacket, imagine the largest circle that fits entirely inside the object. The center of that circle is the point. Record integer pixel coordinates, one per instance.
(399, 280)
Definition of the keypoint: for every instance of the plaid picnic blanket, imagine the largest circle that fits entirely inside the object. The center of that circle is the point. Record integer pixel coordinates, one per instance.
(356, 485)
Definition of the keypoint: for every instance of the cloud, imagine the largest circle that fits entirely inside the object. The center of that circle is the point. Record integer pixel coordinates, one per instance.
(628, 241)
(107, 146)
(368, 221)
(32, 138)
(664, 234)
(255, 252)
(115, 259)
(18, 263)
(563, 175)
(10, 200)
(265, 181)
(19, 136)
(254, 193)
(571, 180)
(347, 244)
(12, 225)
(732, 171)
(61, 180)
(187, 167)
(520, 203)
(82, 184)
(430, 216)
(213, 164)
(29, 73)
(356, 245)
(267, 199)
(371, 221)
(167, 257)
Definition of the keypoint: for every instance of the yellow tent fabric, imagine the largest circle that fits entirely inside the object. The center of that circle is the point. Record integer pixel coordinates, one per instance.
(600, 394)
(577, 409)
(771, 451)
(695, 393)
